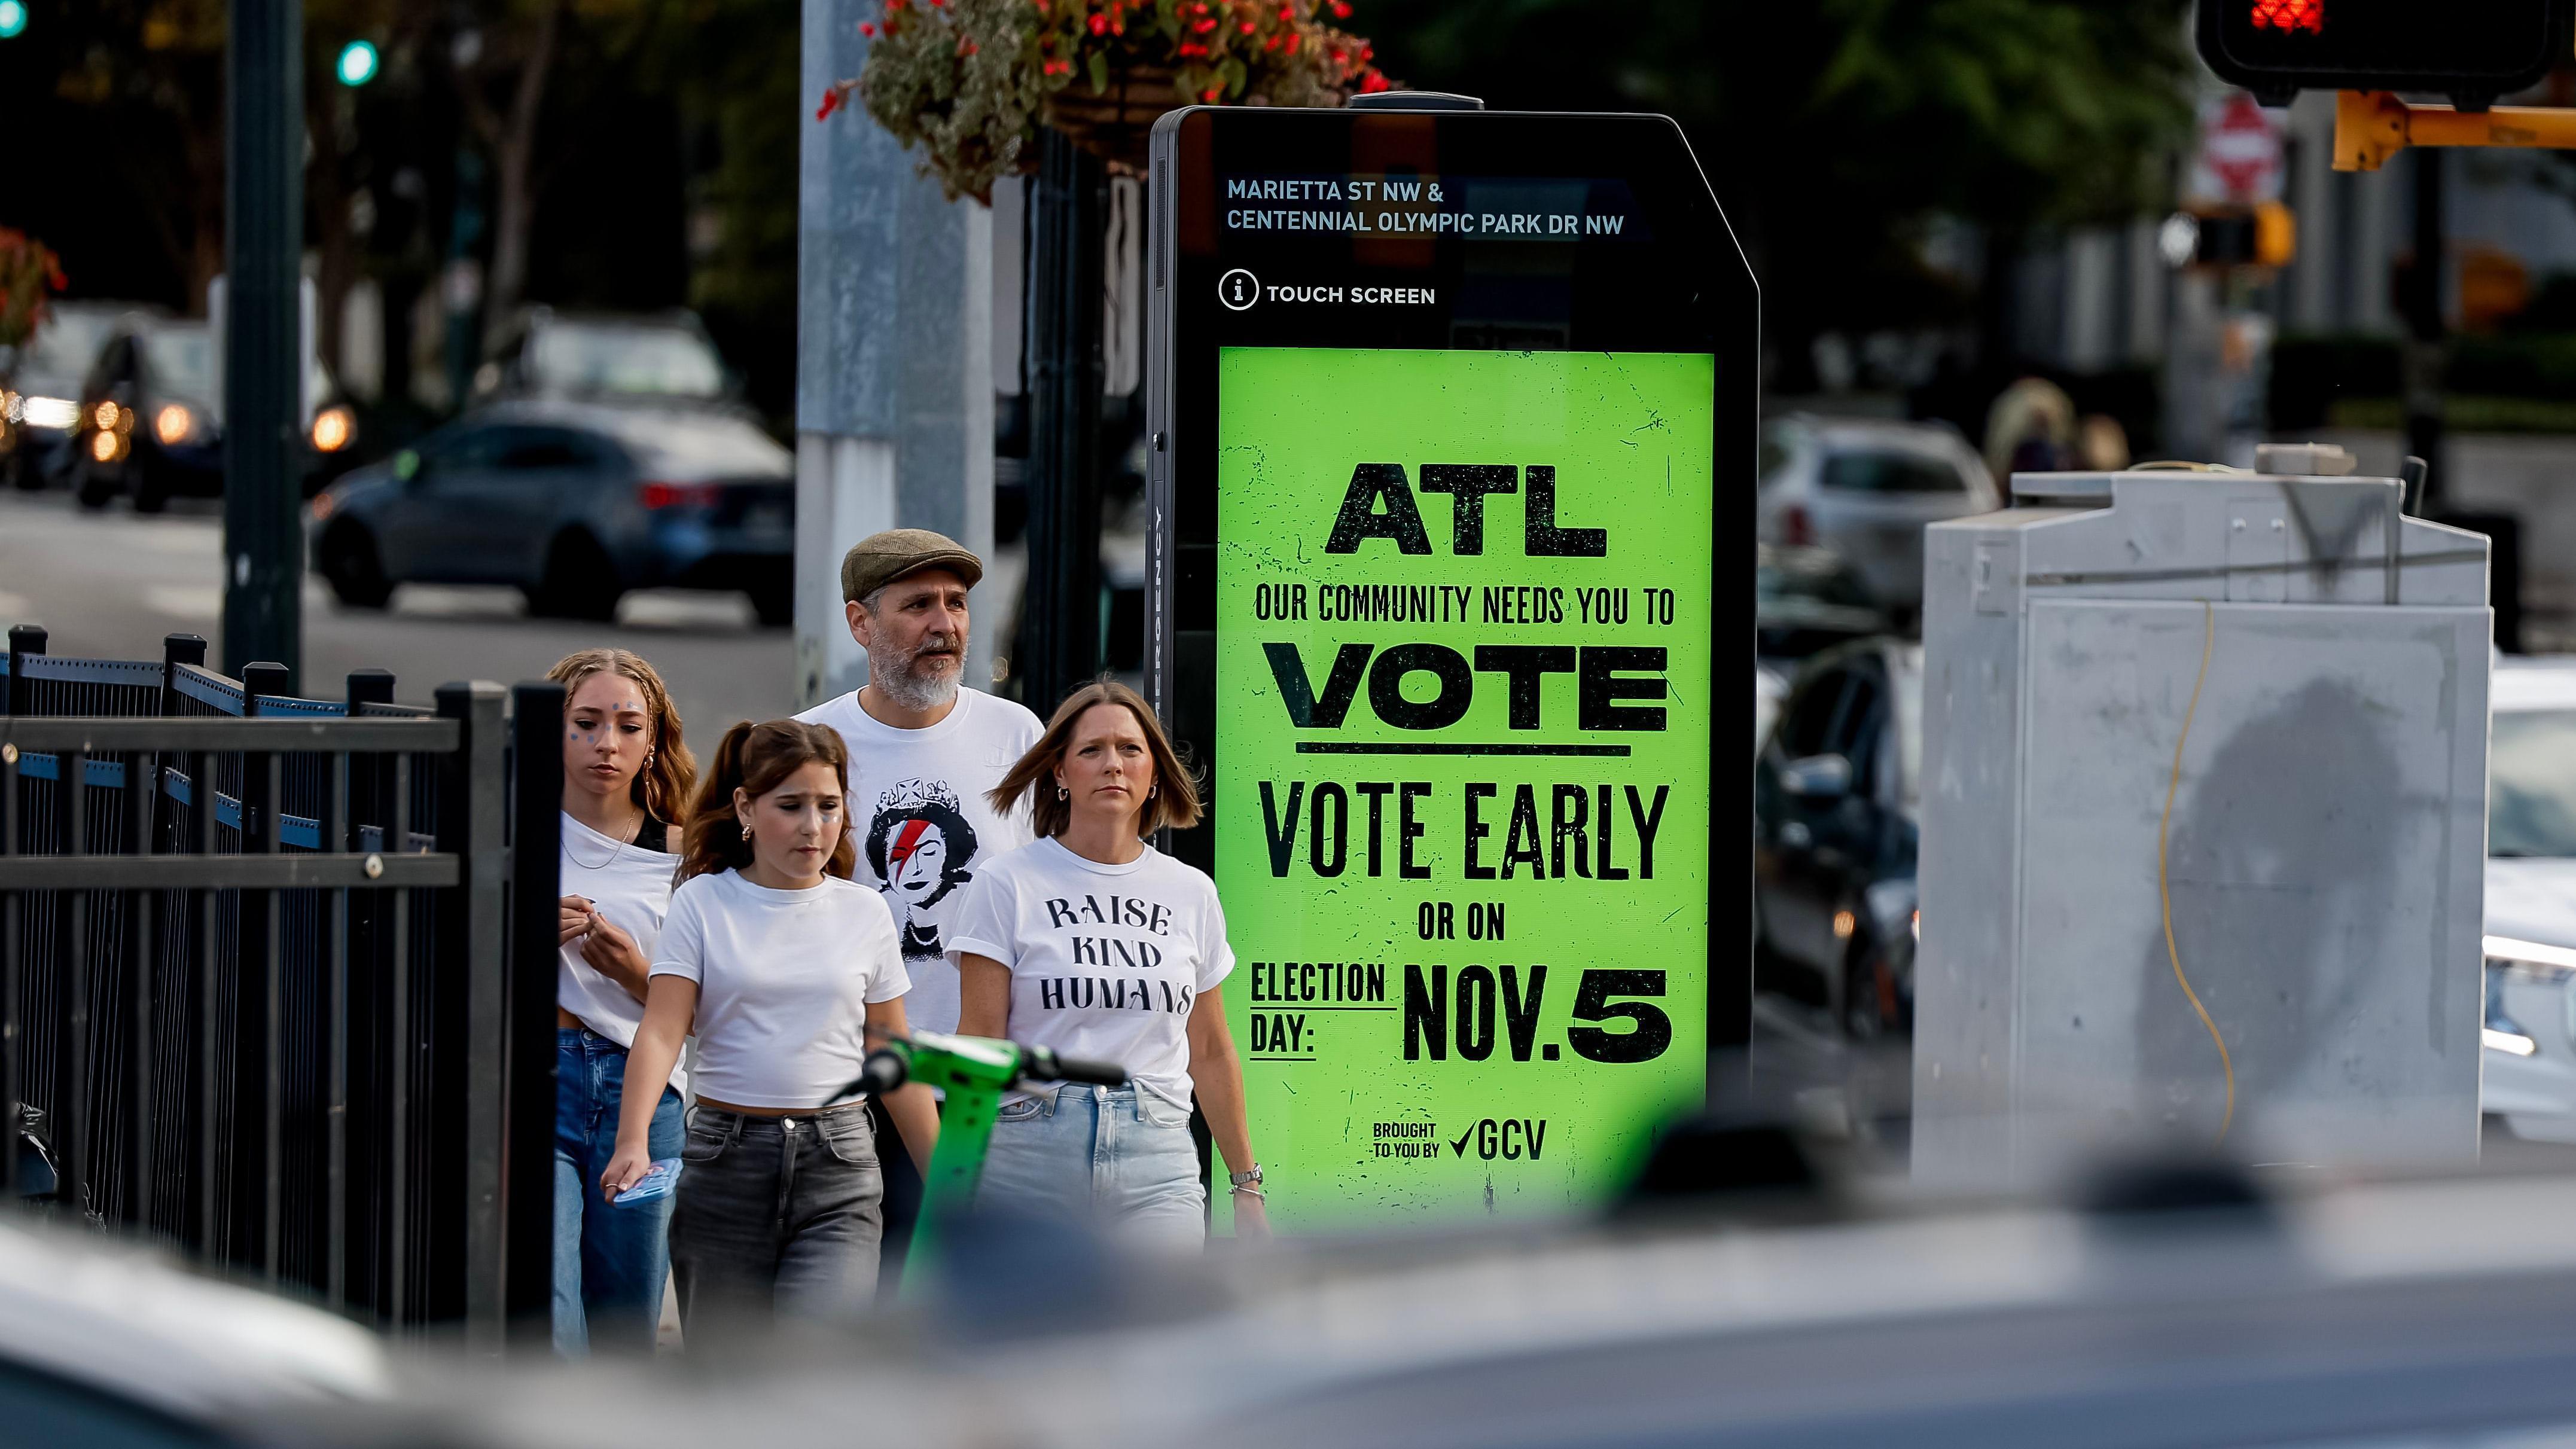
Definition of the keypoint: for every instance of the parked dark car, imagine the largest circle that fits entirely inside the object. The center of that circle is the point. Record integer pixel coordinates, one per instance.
(151, 422)
(40, 392)
(1836, 803)
(575, 503)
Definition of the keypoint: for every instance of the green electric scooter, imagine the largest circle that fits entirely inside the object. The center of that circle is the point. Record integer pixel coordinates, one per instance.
(974, 1072)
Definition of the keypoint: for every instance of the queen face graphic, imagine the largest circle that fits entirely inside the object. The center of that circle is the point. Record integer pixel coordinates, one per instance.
(920, 844)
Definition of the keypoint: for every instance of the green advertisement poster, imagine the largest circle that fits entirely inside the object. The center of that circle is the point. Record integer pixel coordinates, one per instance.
(1463, 673)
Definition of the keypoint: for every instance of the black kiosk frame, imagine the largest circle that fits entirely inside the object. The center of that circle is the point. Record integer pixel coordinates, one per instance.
(1682, 287)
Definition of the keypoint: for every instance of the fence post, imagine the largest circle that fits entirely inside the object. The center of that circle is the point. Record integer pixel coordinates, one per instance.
(24, 639)
(178, 649)
(474, 809)
(536, 844)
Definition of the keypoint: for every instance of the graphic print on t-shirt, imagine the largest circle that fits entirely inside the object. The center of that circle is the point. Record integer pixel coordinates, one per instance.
(1130, 975)
(920, 845)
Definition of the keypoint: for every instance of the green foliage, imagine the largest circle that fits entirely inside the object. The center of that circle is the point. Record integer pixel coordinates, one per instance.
(968, 80)
(28, 272)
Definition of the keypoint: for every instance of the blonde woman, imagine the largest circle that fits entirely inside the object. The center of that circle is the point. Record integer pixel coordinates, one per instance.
(627, 775)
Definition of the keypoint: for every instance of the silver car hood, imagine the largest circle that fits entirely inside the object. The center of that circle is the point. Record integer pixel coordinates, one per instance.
(2532, 899)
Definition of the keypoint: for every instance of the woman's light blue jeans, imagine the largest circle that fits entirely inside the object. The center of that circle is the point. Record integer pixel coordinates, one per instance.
(610, 1261)
(1120, 1161)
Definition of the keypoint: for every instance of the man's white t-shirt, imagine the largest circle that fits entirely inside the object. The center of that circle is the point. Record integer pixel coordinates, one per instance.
(785, 979)
(1106, 960)
(923, 827)
(631, 888)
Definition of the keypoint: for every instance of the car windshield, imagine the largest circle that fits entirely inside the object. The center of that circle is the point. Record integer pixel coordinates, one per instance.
(2531, 783)
(182, 360)
(702, 444)
(1891, 472)
(63, 351)
(660, 361)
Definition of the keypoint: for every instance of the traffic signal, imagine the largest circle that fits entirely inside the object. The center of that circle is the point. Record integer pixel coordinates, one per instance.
(2469, 50)
(13, 19)
(357, 63)
(2265, 235)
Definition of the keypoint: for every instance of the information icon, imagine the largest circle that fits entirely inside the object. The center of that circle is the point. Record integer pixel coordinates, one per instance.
(1238, 290)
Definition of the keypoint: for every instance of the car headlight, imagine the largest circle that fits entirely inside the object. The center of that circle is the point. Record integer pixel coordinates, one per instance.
(174, 424)
(107, 445)
(58, 413)
(334, 428)
(2506, 956)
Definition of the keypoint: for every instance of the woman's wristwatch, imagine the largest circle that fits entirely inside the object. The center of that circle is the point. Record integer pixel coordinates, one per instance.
(1249, 1180)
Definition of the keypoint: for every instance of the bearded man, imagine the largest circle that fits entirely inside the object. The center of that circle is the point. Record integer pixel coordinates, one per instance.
(924, 747)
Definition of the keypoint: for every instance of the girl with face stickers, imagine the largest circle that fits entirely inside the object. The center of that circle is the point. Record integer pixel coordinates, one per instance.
(627, 774)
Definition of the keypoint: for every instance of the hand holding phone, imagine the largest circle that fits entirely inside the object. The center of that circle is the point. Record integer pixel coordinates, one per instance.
(657, 1183)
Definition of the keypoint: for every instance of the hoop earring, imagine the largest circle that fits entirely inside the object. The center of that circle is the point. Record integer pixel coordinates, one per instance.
(1062, 793)
(746, 832)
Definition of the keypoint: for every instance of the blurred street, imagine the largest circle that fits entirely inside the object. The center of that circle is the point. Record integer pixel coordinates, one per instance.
(110, 585)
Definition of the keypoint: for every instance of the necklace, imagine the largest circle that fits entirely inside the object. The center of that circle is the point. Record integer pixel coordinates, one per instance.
(631, 832)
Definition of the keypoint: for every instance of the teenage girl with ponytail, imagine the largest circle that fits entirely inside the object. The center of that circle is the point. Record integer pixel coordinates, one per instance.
(783, 969)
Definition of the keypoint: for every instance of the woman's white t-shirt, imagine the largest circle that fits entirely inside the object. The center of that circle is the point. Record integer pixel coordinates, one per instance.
(631, 888)
(1106, 960)
(785, 979)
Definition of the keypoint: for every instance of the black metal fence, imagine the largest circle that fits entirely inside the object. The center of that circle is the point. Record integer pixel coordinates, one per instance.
(264, 995)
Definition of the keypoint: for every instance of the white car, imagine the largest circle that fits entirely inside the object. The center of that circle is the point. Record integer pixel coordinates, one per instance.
(2530, 1024)
(1866, 489)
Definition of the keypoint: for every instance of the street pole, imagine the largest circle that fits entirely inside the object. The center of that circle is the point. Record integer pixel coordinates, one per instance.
(263, 330)
(1060, 629)
(894, 362)
(2424, 328)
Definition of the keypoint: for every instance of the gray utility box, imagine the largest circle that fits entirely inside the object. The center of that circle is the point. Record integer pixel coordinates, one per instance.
(2327, 843)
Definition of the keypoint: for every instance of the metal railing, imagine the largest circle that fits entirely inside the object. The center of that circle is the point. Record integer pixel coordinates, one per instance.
(266, 996)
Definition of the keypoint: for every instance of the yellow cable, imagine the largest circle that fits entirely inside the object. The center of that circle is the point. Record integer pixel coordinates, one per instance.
(2164, 889)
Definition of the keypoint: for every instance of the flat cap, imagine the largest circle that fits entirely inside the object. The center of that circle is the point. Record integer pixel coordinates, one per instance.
(881, 558)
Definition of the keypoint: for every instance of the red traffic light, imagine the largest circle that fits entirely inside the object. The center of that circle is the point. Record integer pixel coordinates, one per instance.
(2290, 15)
(2470, 52)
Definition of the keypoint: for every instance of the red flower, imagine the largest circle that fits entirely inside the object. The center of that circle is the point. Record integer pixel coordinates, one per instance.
(867, 27)
(1341, 9)
(1375, 83)
(1100, 25)
(831, 103)
(1247, 27)
(1295, 40)
(1202, 26)
(1210, 94)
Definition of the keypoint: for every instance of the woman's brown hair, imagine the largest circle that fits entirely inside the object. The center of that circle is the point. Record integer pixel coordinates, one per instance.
(670, 773)
(1174, 803)
(756, 759)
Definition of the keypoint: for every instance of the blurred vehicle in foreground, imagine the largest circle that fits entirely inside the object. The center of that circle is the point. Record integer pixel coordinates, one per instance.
(2530, 1058)
(40, 392)
(151, 421)
(1866, 489)
(606, 357)
(574, 503)
(2387, 1315)
(1836, 804)
(108, 1344)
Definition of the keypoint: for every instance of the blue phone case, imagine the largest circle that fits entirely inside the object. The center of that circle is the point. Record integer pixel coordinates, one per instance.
(654, 1184)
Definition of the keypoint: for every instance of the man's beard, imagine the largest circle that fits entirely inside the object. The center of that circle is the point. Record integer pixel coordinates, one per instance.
(902, 679)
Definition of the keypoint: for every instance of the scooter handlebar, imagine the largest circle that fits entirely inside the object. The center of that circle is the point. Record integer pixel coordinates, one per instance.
(1044, 1065)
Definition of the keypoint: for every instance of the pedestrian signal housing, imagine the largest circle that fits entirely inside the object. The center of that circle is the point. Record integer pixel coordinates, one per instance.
(2469, 50)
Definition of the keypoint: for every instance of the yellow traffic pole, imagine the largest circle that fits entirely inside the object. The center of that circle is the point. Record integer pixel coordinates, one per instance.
(2371, 126)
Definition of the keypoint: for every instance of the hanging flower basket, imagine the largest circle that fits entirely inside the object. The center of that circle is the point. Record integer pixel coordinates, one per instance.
(970, 81)
(1117, 126)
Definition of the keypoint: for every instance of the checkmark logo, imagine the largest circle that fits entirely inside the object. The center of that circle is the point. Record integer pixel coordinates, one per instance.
(1460, 1146)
